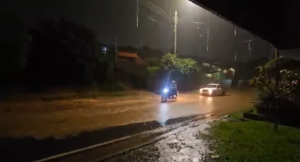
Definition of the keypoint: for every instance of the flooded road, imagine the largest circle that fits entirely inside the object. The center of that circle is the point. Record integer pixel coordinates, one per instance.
(64, 118)
(54, 128)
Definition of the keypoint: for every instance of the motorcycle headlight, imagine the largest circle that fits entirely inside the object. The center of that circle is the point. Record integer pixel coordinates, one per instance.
(166, 90)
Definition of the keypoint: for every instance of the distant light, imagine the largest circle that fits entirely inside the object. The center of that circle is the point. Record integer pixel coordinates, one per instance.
(104, 49)
(208, 75)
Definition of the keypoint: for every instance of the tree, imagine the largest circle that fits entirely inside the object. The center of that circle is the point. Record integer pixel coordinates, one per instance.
(14, 45)
(64, 53)
(278, 89)
(172, 63)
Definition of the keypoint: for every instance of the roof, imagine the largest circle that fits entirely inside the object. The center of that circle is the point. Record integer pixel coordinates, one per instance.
(215, 84)
(274, 21)
(127, 54)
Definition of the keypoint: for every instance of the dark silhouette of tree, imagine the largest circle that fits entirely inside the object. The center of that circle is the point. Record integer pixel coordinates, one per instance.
(63, 53)
(14, 45)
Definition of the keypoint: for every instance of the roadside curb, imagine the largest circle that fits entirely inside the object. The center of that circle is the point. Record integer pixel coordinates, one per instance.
(27, 149)
(107, 150)
(164, 135)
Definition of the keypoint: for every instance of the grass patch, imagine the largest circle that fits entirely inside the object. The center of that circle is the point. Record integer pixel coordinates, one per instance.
(236, 115)
(251, 141)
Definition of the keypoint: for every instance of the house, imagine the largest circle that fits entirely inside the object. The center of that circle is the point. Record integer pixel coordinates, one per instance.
(126, 56)
(130, 57)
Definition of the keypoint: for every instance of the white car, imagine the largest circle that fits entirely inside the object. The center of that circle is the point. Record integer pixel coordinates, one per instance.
(212, 89)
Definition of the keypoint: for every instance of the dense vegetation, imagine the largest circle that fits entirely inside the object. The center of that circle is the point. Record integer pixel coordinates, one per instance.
(278, 88)
(65, 54)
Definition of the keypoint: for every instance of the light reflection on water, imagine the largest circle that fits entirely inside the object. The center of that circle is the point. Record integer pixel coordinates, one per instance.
(163, 113)
(206, 103)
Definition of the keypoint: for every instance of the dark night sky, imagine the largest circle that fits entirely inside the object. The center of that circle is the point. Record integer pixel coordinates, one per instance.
(117, 18)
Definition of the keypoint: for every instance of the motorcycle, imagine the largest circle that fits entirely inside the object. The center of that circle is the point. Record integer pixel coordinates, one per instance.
(168, 95)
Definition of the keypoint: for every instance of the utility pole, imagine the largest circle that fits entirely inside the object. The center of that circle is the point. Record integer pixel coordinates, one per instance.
(235, 44)
(249, 46)
(116, 50)
(116, 65)
(207, 31)
(137, 13)
(235, 56)
(141, 39)
(207, 38)
(175, 32)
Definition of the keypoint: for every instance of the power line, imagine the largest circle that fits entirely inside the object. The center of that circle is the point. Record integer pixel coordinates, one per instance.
(149, 17)
(156, 10)
(154, 6)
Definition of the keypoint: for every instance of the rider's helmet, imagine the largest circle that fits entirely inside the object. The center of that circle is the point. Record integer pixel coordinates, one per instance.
(173, 84)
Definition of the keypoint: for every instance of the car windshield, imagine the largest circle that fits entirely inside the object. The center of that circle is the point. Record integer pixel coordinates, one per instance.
(211, 86)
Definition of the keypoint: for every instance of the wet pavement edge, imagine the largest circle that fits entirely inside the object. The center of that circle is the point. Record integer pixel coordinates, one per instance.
(141, 140)
(30, 149)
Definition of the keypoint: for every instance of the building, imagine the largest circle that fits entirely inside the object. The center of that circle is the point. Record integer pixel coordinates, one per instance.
(130, 57)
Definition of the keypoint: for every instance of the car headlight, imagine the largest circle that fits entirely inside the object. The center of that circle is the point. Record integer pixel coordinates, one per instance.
(166, 90)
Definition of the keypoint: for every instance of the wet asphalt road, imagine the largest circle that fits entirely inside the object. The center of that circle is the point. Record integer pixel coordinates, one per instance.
(80, 126)
(67, 118)
(186, 105)
(183, 144)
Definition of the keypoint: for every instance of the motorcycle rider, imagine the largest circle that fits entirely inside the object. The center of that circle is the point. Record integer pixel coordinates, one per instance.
(173, 88)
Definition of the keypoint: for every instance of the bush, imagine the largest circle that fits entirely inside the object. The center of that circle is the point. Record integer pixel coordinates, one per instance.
(277, 90)
(270, 100)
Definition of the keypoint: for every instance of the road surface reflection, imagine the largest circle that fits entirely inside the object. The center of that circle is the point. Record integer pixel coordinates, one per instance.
(85, 118)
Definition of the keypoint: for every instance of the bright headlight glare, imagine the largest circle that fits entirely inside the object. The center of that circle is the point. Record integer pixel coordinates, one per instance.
(166, 90)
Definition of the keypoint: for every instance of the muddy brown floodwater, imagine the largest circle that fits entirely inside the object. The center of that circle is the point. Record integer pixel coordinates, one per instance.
(62, 118)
